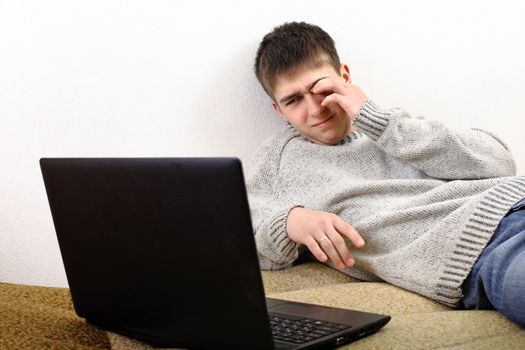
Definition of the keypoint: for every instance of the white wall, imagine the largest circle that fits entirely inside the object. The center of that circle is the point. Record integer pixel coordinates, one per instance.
(174, 78)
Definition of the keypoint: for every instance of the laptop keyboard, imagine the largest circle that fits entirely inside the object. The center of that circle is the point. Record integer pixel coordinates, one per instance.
(303, 330)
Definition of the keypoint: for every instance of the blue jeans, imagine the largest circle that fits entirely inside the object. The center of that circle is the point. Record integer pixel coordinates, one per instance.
(497, 280)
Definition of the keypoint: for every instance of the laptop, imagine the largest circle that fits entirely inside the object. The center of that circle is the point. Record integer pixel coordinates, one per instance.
(163, 250)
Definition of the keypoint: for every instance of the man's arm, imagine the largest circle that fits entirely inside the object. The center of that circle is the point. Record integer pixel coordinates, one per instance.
(425, 144)
(269, 211)
(282, 228)
(433, 148)
(325, 235)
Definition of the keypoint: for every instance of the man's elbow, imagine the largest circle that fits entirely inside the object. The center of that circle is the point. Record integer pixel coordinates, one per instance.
(503, 167)
(269, 265)
(507, 167)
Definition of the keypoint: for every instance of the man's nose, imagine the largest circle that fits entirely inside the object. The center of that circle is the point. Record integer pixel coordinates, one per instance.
(314, 104)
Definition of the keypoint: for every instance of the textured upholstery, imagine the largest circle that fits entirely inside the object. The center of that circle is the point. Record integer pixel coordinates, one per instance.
(39, 317)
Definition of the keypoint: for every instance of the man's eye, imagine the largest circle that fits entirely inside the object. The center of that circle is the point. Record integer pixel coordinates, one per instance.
(292, 101)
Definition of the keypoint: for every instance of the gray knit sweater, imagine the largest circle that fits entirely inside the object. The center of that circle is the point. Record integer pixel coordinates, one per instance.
(425, 198)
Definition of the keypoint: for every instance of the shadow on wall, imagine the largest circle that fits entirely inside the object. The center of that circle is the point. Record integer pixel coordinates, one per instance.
(242, 116)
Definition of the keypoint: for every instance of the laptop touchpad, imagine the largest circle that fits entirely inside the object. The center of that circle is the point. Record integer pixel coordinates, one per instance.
(298, 309)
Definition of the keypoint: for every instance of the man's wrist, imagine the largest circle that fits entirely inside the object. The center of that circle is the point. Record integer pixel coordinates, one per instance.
(371, 119)
(288, 216)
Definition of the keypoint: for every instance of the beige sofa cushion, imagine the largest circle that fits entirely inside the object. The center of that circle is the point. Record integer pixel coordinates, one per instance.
(417, 322)
(39, 317)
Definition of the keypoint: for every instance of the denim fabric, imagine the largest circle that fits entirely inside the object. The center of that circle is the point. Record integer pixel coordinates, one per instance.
(497, 280)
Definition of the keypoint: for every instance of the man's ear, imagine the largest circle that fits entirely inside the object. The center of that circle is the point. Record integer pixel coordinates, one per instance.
(345, 72)
(278, 110)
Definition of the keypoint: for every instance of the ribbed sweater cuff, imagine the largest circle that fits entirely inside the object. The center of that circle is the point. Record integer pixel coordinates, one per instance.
(279, 236)
(371, 119)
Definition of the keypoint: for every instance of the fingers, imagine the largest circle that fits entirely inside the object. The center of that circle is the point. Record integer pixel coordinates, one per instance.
(336, 248)
(333, 99)
(323, 249)
(329, 86)
(316, 250)
(347, 230)
(337, 92)
(325, 235)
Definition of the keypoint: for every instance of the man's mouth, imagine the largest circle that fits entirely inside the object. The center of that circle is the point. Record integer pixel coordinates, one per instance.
(324, 122)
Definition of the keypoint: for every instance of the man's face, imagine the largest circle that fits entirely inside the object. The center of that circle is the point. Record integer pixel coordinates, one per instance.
(297, 105)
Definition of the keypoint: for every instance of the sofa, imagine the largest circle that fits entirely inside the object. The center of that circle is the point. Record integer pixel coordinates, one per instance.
(35, 317)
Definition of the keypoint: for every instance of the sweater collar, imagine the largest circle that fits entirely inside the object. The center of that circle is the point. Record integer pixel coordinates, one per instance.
(347, 139)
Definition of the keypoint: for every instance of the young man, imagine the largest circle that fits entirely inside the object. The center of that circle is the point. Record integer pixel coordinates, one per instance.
(440, 210)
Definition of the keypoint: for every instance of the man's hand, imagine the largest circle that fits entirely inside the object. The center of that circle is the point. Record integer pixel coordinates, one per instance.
(348, 96)
(324, 234)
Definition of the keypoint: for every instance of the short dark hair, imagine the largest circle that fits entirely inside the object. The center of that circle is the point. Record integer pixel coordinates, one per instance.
(289, 46)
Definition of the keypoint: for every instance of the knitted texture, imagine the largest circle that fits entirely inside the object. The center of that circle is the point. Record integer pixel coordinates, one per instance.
(425, 198)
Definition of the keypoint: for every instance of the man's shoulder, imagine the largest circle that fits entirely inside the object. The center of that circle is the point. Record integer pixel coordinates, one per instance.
(269, 152)
(276, 142)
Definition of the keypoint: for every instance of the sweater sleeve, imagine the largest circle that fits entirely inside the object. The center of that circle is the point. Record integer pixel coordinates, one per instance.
(269, 210)
(432, 148)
